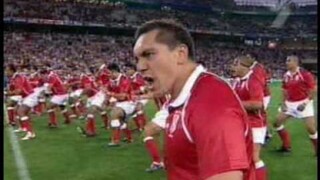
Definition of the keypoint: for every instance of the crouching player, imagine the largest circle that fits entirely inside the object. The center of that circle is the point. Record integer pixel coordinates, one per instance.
(12, 102)
(75, 100)
(29, 100)
(119, 91)
(59, 99)
(95, 103)
(137, 88)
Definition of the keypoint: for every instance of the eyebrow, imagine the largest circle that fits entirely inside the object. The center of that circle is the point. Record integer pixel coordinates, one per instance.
(145, 51)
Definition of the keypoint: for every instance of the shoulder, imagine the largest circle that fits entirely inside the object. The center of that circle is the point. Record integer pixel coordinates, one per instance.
(286, 74)
(210, 88)
(253, 78)
(305, 72)
(208, 79)
(124, 80)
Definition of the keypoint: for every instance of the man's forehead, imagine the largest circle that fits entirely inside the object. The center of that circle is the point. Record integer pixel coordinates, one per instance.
(292, 58)
(145, 41)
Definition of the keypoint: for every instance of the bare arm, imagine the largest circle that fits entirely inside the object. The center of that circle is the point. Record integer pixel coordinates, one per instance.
(14, 92)
(312, 94)
(252, 105)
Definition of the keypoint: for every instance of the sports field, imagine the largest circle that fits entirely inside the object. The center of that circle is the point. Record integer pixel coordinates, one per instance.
(63, 154)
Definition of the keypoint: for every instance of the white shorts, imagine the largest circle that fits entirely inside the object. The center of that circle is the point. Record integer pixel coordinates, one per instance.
(31, 100)
(259, 135)
(16, 98)
(96, 100)
(39, 90)
(143, 101)
(160, 118)
(59, 99)
(77, 93)
(127, 106)
(266, 101)
(292, 109)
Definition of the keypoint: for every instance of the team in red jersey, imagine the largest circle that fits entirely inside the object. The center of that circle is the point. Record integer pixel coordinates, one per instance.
(211, 130)
(250, 90)
(298, 88)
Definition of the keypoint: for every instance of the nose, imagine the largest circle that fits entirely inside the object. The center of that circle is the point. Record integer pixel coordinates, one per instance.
(142, 66)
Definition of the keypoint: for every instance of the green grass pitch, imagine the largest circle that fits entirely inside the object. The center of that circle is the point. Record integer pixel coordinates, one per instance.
(62, 154)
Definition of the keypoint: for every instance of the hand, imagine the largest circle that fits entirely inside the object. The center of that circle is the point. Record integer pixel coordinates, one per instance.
(284, 107)
(135, 97)
(103, 89)
(110, 93)
(301, 107)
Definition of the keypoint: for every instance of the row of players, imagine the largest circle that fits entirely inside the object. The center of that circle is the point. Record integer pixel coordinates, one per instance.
(124, 95)
(127, 95)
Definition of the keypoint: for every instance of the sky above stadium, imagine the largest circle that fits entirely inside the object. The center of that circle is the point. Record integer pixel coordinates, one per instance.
(274, 3)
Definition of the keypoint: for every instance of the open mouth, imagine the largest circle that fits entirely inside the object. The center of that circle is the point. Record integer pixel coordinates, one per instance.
(149, 80)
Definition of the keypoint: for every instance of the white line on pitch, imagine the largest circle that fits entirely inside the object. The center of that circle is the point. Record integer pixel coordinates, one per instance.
(20, 162)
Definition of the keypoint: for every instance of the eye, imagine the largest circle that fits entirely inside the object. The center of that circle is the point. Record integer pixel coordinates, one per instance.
(149, 55)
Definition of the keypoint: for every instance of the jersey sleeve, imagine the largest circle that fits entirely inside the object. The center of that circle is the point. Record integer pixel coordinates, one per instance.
(255, 90)
(283, 83)
(52, 80)
(217, 125)
(18, 82)
(309, 80)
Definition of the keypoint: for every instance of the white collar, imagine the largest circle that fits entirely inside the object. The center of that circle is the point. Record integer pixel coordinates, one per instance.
(247, 75)
(51, 73)
(117, 81)
(291, 74)
(15, 74)
(253, 64)
(134, 75)
(185, 92)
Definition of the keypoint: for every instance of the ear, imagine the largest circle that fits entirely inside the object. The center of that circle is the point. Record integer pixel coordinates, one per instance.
(182, 54)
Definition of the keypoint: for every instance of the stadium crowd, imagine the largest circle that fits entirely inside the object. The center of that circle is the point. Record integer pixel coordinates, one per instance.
(117, 14)
(77, 52)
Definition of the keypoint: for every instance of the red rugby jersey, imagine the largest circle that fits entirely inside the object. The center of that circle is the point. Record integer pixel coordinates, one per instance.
(249, 88)
(298, 85)
(21, 82)
(207, 131)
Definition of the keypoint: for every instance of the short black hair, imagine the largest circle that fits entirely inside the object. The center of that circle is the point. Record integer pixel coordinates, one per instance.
(170, 33)
(12, 67)
(245, 60)
(201, 63)
(130, 66)
(295, 57)
(114, 67)
(253, 55)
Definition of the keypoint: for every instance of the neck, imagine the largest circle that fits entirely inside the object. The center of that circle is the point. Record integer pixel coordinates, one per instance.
(182, 79)
(244, 73)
